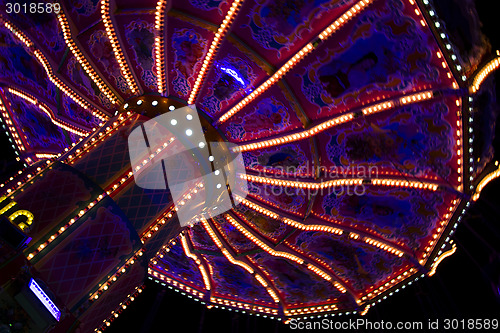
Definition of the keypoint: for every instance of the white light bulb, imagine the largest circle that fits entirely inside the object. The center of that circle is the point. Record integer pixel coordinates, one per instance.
(173, 122)
(189, 132)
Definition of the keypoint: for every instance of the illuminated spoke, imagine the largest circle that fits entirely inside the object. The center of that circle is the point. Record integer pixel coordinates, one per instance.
(342, 20)
(68, 38)
(115, 45)
(230, 257)
(159, 49)
(292, 257)
(212, 51)
(201, 266)
(53, 118)
(311, 185)
(338, 120)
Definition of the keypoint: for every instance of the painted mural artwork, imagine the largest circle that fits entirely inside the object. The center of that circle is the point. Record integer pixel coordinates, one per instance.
(22, 68)
(297, 285)
(140, 35)
(277, 25)
(388, 57)
(188, 47)
(287, 158)
(44, 28)
(269, 116)
(398, 141)
(101, 49)
(364, 65)
(207, 4)
(74, 112)
(85, 83)
(85, 7)
(401, 215)
(362, 265)
(36, 126)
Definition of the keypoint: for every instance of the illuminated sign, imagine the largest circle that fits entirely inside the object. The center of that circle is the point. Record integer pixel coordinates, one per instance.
(46, 301)
(15, 215)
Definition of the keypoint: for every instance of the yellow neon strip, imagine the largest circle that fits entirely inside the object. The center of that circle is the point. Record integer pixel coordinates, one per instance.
(45, 109)
(491, 176)
(212, 51)
(441, 258)
(115, 45)
(159, 49)
(483, 74)
(81, 59)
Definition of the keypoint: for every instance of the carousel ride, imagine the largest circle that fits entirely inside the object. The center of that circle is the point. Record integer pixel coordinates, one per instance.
(361, 125)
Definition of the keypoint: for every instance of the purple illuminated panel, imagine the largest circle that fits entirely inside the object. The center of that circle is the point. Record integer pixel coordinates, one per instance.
(42, 296)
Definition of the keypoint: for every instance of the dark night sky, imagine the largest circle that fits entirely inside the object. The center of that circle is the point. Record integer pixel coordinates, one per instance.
(461, 289)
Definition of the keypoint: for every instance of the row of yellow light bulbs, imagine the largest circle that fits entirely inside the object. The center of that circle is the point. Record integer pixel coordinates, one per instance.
(491, 176)
(314, 309)
(240, 263)
(159, 48)
(68, 91)
(82, 60)
(244, 306)
(323, 228)
(11, 127)
(388, 285)
(339, 182)
(47, 111)
(65, 227)
(383, 246)
(113, 278)
(282, 254)
(483, 73)
(94, 142)
(219, 36)
(441, 227)
(48, 69)
(206, 279)
(108, 25)
(122, 306)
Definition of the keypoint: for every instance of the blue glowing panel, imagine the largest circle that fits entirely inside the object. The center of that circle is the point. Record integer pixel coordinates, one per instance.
(46, 301)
